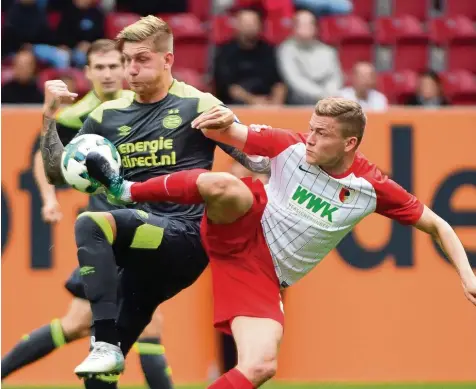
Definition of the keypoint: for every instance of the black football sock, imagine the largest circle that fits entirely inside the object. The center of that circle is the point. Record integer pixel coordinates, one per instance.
(99, 272)
(34, 346)
(153, 362)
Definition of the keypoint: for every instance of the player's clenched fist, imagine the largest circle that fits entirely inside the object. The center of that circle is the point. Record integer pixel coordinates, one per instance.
(56, 92)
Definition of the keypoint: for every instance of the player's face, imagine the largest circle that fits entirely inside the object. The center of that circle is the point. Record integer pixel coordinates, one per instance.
(105, 71)
(325, 145)
(145, 67)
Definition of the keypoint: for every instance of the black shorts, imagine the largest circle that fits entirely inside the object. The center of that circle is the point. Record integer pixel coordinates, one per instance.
(74, 285)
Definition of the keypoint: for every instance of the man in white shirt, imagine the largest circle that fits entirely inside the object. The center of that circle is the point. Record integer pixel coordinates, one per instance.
(261, 239)
(363, 88)
(310, 68)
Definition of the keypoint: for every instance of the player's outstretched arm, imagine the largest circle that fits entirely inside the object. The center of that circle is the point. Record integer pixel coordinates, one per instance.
(449, 242)
(51, 147)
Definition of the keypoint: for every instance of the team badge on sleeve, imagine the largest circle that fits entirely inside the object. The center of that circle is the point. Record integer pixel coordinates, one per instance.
(346, 195)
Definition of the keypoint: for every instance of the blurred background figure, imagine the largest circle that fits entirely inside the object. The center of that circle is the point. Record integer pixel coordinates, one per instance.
(150, 7)
(325, 7)
(25, 22)
(310, 68)
(363, 90)
(245, 67)
(22, 88)
(429, 92)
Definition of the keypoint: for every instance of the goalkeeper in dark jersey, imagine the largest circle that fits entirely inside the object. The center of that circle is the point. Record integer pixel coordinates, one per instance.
(159, 246)
(105, 70)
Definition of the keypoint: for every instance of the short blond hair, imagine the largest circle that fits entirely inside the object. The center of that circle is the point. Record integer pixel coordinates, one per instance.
(348, 114)
(149, 27)
(101, 46)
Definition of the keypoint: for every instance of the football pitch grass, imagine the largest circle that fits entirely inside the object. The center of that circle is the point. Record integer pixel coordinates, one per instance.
(469, 385)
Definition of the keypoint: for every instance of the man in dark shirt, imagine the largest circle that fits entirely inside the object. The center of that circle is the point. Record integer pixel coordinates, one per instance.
(245, 68)
(22, 89)
(82, 22)
(158, 246)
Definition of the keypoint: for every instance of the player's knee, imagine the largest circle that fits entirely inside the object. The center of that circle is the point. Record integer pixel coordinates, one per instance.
(260, 372)
(154, 328)
(217, 186)
(94, 225)
(76, 326)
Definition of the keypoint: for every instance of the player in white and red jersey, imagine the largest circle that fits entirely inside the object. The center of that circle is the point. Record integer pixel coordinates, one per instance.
(263, 238)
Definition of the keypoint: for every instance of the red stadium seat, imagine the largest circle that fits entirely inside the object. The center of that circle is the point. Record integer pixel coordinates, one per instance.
(191, 77)
(191, 55)
(116, 21)
(398, 86)
(364, 9)
(416, 8)
(460, 87)
(185, 26)
(344, 29)
(54, 19)
(458, 36)
(278, 29)
(200, 8)
(222, 29)
(7, 74)
(82, 83)
(408, 39)
(461, 7)
(456, 29)
(351, 35)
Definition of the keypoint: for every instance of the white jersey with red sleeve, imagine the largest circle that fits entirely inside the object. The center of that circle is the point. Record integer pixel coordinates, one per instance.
(309, 211)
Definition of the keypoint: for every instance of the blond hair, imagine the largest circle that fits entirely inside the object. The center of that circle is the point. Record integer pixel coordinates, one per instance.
(149, 27)
(347, 113)
(101, 46)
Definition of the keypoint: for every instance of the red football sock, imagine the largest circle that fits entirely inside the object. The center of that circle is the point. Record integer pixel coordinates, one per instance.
(234, 379)
(180, 187)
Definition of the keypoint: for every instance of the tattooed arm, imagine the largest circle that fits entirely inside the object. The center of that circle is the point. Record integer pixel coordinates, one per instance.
(51, 151)
(51, 147)
(261, 165)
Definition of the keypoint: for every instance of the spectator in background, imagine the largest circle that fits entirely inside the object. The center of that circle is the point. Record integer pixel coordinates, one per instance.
(151, 7)
(25, 22)
(81, 23)
(310, 68)
(245, 68)
(429, 92)
(363, 88)
(22, 89)
(325, 7)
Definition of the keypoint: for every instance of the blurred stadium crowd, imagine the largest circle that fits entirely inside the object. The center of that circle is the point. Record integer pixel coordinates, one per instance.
(261, 52)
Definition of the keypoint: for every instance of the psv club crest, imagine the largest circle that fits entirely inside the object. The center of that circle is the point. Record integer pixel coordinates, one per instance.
(346, 195)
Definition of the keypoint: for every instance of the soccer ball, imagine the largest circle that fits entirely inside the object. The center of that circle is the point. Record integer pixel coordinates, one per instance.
(73, 161)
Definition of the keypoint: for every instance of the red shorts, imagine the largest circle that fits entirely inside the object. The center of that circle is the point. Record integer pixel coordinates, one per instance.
(244, 278)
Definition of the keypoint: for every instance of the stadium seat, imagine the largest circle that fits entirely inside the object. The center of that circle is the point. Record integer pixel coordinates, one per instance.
(351, 35)
(116, 21)
(364, 9)
(278, 29)
(408, 40)
(185, 26)
(460, 87)
(54, 19)
(461, 7)
(416, 8)
(191, 55)
(200, 8)
(82, 83)
(191, 77)
(458, 36)
(7, 74)
(222, 29)
(397, 86)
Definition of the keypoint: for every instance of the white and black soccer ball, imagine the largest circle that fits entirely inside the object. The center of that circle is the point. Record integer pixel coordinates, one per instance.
(73, 161)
